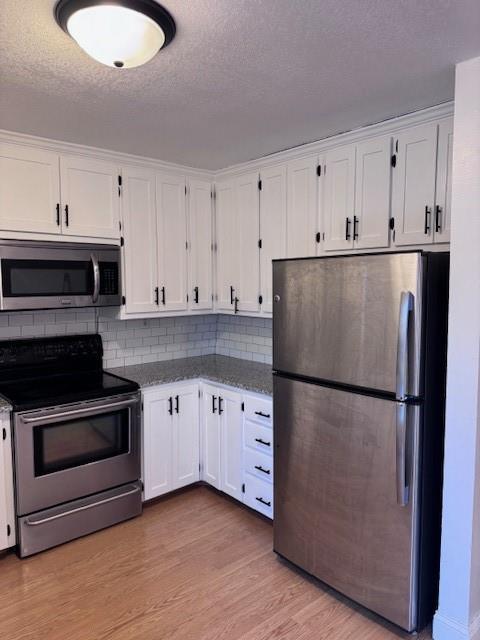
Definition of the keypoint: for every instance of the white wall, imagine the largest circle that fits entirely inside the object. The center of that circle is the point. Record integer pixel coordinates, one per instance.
(458, 615)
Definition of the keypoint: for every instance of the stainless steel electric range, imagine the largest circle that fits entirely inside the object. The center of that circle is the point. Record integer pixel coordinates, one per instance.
(76, 439)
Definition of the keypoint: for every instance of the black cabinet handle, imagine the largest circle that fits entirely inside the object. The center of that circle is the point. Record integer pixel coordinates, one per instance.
(58, 214)
(428, 212)
(66, 215)
(438, 214)
(347, 228)
(177, 404)
(231, 294)
(157, 301)
(220, 410)
(170, 406)
(263, 415)
(195, 291)
(267, 444)
(163, 295)
(214, 408)
(235, 309)
(260, 468)
(355, 227)
(265, 502)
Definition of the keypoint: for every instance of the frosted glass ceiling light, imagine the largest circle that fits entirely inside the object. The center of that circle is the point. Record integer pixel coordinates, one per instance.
(118, 33)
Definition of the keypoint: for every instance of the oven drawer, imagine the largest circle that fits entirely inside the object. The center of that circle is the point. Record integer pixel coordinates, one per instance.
(259, 495)
(51, 527)
(258, 409)
(259, 465)
(258, 437)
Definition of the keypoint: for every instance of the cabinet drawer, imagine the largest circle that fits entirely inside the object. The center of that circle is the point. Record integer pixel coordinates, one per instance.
(259, 465)
(258, 409)
(258, 437)
(259, 495)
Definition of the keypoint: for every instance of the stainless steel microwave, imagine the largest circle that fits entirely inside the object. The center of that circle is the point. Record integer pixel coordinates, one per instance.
(58, 275)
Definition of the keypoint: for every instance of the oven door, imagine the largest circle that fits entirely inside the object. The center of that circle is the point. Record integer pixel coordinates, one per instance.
(54, 275)
(75, 450)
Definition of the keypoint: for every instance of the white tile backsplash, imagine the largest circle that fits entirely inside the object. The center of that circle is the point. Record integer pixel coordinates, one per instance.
(137, 341)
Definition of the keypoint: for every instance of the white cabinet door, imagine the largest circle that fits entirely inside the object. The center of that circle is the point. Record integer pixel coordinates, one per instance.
(171, 240)
(140, 240)
(413, 194)
(90, 197)
(443, 196)
(200, 270)
(302, 207)
(273, 227)
(247, 235)
(157, 442)
(29, 190)
(210, 436)
(339, 198)
(7, 510)
(186, 436)
(372, 193)
(227, 244)
(230, 411)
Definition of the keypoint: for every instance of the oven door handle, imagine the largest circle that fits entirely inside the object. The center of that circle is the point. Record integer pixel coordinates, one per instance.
(34, 523)
(96, 277)
(49, 417)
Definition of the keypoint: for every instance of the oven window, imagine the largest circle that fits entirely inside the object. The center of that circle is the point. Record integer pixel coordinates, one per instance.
(26, 278)
(72, 443)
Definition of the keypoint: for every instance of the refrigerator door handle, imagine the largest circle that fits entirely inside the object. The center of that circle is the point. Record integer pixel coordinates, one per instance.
(406, 306)
(400, 454)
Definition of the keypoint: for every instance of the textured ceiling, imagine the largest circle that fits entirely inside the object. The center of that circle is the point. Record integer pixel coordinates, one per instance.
(243, 78)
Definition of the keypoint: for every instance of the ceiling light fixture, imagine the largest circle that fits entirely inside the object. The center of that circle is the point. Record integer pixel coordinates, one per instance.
(118, 33)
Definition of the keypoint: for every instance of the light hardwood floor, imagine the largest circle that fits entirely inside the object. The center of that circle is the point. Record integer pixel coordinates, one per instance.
(195, 566)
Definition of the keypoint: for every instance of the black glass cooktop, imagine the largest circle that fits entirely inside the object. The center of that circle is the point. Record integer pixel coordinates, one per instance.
(52, 390)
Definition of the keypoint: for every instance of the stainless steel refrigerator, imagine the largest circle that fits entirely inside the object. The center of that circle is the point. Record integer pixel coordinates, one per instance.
(359, 358)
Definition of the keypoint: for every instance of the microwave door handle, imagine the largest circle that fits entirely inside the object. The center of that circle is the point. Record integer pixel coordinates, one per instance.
(406, 306)
(96, 277)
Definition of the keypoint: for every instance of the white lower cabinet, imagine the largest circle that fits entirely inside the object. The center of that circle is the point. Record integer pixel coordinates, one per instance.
(225, 438)
(7, 510)
(171, 443)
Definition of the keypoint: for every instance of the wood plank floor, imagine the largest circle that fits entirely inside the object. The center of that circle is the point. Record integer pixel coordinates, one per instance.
(195, 566)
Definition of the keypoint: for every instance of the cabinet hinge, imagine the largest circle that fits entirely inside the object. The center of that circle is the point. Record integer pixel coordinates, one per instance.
(260, 243)
(122, 241)
(185, 189)
(243, 488)
(187, 297)
(186, 245)
(260, 184)
(4, 434)
(141, 406)
(9, 530)
(260, 299)
(199, 393)
(318, 236)
(391, 223)
(243, 406)
(199, 466)
(319, 170)
(393, 160)
(396, 145)
(119, 186)
(324, 169)
(323, 235)
(119, 225)
(124, 300)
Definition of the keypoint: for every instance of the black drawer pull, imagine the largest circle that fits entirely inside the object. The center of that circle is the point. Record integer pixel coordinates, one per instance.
(214, 407)
(58, 214)
(265, 502)
(170, 406)
(157, 301)
(195, 290)
(231, 294)
(428, 213)
(263, 415)
(267, 444)
(260, 468)
(66, 215)
(163, 295)
(438, 212)
(220, 410)
(347, 228)
(177, 404)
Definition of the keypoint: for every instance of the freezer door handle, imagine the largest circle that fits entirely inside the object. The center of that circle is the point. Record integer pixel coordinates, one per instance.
(400, 455)
(406, 306)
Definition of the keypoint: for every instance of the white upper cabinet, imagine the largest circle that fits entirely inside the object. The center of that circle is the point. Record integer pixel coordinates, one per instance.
(172, 242)
(413, 196)
(372, 193)
(186, 437)
(200, 268)
(273, 226)
(140, 234)
(227, 244)
(303, 224)
(444, 181)
(90, 197)
(29, 190)
(247, 281)
(339, 198)
(210, 436)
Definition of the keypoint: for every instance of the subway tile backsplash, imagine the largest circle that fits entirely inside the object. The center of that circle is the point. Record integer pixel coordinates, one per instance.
(136, 341)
